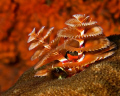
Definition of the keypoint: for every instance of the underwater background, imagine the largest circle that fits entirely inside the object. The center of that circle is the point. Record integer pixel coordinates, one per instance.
(19, 17)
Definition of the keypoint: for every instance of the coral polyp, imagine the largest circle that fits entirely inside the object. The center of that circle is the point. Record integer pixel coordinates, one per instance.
(83, 43)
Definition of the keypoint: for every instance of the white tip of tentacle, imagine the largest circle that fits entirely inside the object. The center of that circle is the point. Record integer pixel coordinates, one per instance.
(33, 32)
(41, 30)
(63, 60)
(77, 16)
(82, 33)
(79, 60)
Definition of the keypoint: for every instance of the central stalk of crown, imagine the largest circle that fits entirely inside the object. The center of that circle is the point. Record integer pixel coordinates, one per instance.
(74, 56)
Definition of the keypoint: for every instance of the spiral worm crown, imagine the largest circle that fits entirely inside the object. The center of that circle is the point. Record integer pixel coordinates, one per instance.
(84, 43)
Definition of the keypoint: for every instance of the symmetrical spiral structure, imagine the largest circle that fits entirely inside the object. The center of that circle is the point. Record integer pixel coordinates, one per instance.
(84, 43)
